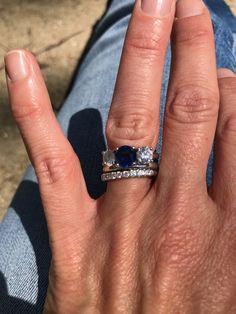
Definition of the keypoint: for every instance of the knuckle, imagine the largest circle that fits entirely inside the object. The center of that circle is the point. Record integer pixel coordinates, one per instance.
(191, 104)
(53, 167)
(228, 85)
(177, 244)
(189, 34)
(131, 126)
(227, 128)
(145, 42)
(26, 111)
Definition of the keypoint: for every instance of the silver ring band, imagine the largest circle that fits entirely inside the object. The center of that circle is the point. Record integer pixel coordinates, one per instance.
(127, 174)
(151, 165)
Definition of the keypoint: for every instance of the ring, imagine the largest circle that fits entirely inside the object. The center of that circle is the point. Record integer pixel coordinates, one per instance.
(129, 162)
(151, 165)
(127, 156)
(127, 174)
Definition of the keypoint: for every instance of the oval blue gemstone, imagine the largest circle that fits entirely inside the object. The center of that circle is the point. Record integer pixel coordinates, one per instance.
(125, 156)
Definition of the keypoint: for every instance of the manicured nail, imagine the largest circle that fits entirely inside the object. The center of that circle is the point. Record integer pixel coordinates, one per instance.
(225, 73)
(187, 8)
(17, 67)
(158, 8)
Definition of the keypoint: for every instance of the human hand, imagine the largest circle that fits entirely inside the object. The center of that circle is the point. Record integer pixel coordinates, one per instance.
(162, 246)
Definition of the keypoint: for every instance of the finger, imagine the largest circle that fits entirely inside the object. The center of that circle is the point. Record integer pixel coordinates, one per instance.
(223, 187)
(134, 114)
(192, 103)
(63, 190)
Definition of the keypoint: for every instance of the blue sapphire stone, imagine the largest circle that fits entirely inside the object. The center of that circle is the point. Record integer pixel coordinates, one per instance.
(125, 156)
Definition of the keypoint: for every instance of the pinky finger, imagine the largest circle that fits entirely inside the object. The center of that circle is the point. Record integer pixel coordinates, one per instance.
(224, 174)
(62, 186)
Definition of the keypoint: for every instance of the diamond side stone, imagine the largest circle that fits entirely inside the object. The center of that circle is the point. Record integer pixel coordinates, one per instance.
(108, 158)
(144, 155)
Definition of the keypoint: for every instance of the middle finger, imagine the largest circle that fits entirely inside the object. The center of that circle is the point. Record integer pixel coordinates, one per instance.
(193, 97)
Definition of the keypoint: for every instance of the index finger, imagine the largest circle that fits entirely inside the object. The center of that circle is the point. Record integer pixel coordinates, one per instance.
(61, 182)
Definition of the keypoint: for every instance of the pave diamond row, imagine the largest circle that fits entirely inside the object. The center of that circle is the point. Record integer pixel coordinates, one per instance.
(132, 173)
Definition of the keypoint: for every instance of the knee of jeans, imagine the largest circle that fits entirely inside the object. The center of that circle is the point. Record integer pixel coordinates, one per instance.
(225, 44)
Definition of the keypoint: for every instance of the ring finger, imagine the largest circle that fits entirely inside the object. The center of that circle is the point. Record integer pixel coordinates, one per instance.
(134, 114)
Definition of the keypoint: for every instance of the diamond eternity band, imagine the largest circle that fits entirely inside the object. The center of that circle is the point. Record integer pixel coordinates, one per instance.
(131, 173)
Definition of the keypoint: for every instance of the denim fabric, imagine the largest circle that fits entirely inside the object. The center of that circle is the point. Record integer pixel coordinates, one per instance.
(220, 8)
(24, 250)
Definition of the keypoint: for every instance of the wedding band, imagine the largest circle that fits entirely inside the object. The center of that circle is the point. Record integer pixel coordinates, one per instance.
(127, 174)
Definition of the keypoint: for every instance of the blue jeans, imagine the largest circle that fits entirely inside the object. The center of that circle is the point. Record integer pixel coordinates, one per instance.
(24, 249)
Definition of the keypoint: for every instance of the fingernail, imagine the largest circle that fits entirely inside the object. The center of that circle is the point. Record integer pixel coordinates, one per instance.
(225, 73)
(17, 67)
(187, 8)
(158, 8)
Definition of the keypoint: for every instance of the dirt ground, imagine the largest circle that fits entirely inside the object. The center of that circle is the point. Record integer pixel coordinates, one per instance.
(232, 4)
(56, 31)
